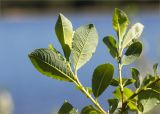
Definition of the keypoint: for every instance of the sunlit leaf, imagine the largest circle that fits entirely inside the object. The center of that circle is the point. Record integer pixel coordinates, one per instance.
(120, 23)
(85, 41)
(101, 79)
(133, 34)
(67, 108)
(90, 110)
(64, 32)
(132, 53)
(126, 93)
(112, 46)
(52, 64)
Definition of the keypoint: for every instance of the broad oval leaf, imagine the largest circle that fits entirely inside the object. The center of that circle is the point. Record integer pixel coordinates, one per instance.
(132, 53)
(101, 79)
(112, 46)
(64, 32)
(135, 75)
(51, 63)
(67, 108)
(133, 34)
(120, 23)
(85, 41)
(90, 110)
(126, 93)
(113, 104)
(149, 99)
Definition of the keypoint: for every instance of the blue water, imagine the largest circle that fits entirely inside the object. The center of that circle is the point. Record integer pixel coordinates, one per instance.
(35, 94)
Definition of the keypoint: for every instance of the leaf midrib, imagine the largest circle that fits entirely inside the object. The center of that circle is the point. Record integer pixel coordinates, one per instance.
(82, 50)
(53, 67)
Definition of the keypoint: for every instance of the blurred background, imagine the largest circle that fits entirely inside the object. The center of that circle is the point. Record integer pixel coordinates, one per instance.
(29, 24)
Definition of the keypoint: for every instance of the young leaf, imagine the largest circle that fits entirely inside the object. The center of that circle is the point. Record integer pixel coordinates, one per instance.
(64, 32)
(133, 33)
(132, 105)
(90, 110)
(126, 93)
(67, 108)
(52, 64)
(85, 40)
(113, 104)
(101, 79)
(120, 23)
(132, 53)
(149, 99)
(155, 69)
(135, 75)
(112, 46)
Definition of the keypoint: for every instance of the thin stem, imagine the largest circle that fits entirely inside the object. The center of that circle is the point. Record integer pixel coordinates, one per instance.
(78, 83)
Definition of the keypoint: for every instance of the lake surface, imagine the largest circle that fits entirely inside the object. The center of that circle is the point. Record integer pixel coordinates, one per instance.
(33, 93)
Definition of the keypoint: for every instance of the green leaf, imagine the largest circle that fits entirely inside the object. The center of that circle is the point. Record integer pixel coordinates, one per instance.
(67, 108)
(102, 77)
(128, 82)
(155, 69)
(149, 100)
(135, 75)
(126, 93)
(114, 82)
(112, 46)
(120, 23)
(64, 32)
(90, 110)
(148, 79)
(85, 41)
(133, 34)
(140, 107)
(113, 104)
(132, 53)
(52, 64)
(132, 105)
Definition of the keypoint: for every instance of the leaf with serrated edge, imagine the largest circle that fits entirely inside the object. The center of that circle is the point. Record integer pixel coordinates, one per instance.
(132, 53)
(52, 64)
(101, 79)
(67, 108)
(133, 33)
(90, 110)
(64, 32)
(85, 41)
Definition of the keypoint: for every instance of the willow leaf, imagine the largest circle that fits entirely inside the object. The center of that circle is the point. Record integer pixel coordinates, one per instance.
(134, 33)
(85, 41)
(52, 64)
(64, 32)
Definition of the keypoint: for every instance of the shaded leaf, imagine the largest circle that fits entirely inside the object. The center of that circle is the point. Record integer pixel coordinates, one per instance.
(112, 46)
(120, 23)
(52, 64)
(126, 93)
(114, 82)
(140, 107)
(128, 82)
(90, 110)
(155, 69)
(135, 75)
(132, 53)
(113, 104)
(85, 40)
(149, 100)
(67, 108)
(64, 32)
(134, 33)
(101, 79)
